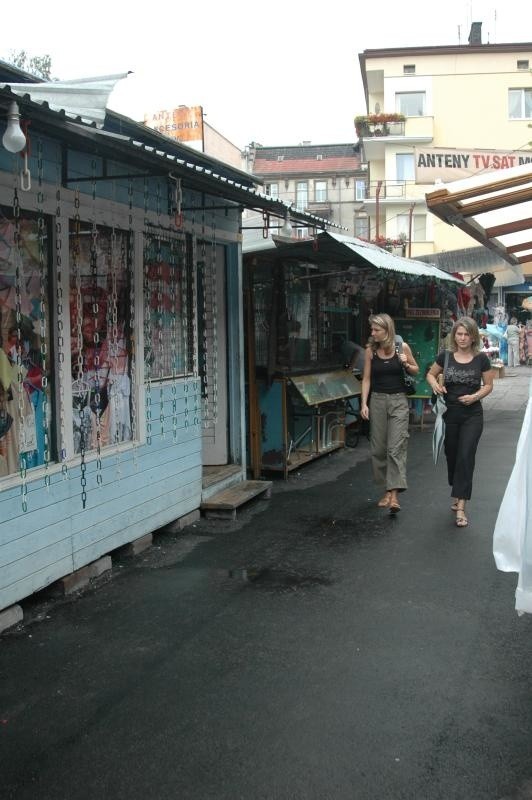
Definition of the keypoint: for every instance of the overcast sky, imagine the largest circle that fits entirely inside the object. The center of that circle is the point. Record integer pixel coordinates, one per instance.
(275, 72)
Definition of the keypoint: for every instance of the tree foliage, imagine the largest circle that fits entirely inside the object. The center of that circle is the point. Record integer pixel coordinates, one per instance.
(41, 66)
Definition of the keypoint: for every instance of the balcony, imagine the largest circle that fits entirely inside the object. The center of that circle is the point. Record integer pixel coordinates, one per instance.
(370, 129)
(376, 131)
(398, 191)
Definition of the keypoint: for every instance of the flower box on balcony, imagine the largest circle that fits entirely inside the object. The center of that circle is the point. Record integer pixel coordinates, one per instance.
(379, 124)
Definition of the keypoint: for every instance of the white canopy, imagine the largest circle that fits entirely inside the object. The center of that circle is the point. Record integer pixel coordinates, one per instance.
(84, 98)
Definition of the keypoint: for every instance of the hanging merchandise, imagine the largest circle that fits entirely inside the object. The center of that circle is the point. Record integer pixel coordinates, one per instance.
(37, 375)
(371, 288)
(60, 342)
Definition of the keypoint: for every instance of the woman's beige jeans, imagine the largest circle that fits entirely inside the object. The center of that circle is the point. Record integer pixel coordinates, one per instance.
(388, 417)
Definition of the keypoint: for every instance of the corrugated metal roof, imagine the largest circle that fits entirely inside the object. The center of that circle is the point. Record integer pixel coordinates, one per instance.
(333, 248)
(382, 259)
(84, 99)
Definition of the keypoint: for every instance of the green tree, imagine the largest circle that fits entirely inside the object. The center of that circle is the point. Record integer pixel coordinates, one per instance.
(41, 66)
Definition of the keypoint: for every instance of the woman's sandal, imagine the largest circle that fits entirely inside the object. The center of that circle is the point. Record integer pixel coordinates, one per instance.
(461, 519)
(394, 507)
(384, 502)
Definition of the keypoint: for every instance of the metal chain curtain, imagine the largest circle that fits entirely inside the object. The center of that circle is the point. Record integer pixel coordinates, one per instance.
(100, 306)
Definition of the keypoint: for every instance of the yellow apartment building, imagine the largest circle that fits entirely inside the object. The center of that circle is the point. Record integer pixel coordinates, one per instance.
(435, 114)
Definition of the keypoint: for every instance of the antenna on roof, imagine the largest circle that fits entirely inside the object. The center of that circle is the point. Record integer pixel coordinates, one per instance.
(459, 37)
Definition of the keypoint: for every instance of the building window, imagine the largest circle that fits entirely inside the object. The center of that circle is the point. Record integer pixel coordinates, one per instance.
(26, 374)
(419, 227)
(411, 104)
(522, 65)
(273, 190)
(362, 227)
(301, 233)
(100, 304)
(320, 191)
(360, 190)
(301, 195)
(409, 69)
(520, 103)
(405, 166)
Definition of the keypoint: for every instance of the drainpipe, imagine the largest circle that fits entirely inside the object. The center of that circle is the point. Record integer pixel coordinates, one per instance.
(377, 209)
(410, 213)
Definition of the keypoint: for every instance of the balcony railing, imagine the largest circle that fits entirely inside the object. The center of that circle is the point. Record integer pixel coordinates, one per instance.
(370, 129)
(390, 190)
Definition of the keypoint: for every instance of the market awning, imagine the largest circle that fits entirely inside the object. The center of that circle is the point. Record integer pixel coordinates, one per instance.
(333, 249)
(494, 208)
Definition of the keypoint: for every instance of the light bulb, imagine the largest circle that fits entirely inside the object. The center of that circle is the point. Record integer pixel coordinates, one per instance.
(13, 139)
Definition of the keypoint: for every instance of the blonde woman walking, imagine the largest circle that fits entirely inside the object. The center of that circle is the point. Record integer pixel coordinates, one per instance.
(383, 387)
(468, 378)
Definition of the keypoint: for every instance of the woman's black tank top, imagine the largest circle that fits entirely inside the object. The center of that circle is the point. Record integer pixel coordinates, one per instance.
(387, 375)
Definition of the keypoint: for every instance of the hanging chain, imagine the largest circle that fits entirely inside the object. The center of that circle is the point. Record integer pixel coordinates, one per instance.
(207, 321)
(214, 342)
(114, 384)
(23, 466)
(185, 325)
(173, 284)
(160, 337)
(60, 337)
(148, 343)
(43, 294)
(132, 333)
(96, 344)
(76, 257)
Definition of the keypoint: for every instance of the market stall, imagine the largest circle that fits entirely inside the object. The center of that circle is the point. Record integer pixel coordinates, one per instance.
(306, 303)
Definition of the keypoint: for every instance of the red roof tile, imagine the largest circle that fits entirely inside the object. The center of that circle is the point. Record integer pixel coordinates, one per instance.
(302, 166)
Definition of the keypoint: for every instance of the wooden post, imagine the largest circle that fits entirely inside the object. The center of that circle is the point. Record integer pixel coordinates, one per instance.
(255, 454)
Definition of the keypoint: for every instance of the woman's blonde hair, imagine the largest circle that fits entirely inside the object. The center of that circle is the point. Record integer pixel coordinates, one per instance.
(472, 328)
(385, 322)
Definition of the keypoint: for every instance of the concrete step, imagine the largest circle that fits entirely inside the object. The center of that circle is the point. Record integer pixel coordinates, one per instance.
(223, 504)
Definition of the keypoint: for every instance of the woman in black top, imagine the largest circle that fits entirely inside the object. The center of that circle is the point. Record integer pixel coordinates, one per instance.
(468, 378)
(388, 407)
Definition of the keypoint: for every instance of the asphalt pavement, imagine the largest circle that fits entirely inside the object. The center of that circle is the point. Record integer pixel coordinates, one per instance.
(315, 649)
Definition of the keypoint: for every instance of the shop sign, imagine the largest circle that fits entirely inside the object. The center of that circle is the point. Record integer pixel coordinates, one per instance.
(430, 313)
(185, 124)
(450, 164)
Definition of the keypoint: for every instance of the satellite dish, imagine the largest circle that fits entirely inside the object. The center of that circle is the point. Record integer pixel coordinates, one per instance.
(377, 108)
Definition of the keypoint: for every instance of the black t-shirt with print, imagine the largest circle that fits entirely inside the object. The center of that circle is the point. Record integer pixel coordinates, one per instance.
(463, 379)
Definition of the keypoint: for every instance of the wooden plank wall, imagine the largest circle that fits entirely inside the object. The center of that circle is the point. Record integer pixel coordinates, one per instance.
(142, 490)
